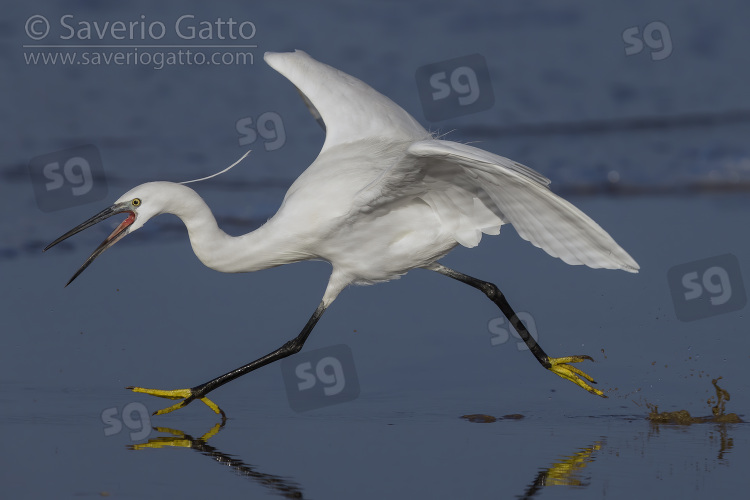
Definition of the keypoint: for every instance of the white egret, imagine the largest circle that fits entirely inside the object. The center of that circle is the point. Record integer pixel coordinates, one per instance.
(382, 197)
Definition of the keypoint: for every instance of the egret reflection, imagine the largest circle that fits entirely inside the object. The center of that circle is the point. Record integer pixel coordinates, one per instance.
(280, 485)
(567, 471)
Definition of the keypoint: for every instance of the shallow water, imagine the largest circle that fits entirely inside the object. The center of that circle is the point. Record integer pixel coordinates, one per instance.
(653, 150)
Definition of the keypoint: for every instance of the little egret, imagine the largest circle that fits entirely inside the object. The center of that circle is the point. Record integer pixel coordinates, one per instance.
(384, 196)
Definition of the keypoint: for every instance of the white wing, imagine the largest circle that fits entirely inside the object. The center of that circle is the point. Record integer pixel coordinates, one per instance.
(474, 192)
(351, 109)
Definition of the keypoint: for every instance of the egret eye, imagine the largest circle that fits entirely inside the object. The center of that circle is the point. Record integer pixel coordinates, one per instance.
(136, 202)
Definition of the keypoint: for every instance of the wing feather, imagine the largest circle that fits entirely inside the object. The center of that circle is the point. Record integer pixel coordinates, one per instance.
(474, 192)
(348, 109)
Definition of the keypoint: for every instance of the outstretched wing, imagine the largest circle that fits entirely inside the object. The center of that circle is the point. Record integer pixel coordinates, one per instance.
(474, 192)
(350, 109)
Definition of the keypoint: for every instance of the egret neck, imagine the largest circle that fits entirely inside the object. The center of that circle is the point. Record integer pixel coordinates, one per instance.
(259, 249)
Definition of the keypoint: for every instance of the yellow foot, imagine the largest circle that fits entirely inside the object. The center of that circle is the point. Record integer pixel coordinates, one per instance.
(185, 394)
(560, 366)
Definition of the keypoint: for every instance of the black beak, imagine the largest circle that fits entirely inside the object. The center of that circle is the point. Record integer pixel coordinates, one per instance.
(113, 238)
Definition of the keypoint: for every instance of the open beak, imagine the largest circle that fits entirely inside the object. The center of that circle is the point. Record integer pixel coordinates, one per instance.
(113, 238)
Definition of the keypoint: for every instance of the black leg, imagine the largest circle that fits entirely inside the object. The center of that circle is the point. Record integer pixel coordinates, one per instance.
(200, 391)
(558, 366)
(292, 347)
(496, 296)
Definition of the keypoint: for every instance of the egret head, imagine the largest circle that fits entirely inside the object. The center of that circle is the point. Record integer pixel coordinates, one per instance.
(140, 204)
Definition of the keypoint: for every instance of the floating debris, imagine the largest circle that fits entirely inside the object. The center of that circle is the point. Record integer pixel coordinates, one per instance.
(481, 418)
